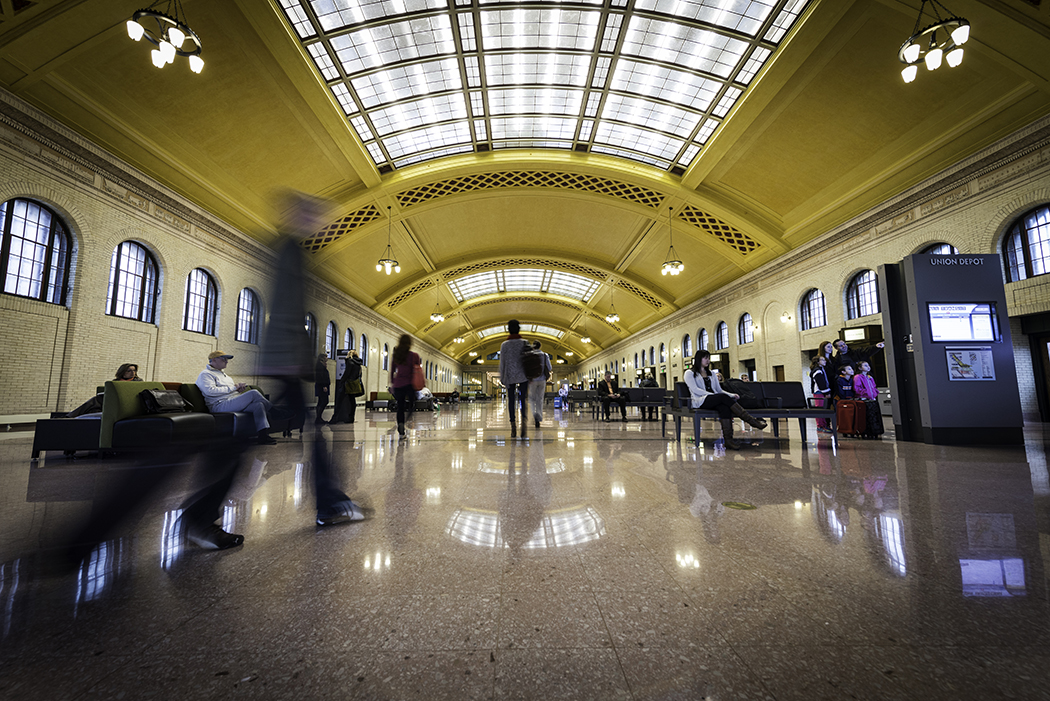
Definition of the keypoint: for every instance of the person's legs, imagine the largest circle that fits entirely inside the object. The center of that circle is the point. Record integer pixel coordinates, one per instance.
(322, 404)
(605, 406)
(351, 408)
(818, 401)
(512, 409)
(622, 401)
(403, 396)
(252, 402)
(536, 400)
(523, 400)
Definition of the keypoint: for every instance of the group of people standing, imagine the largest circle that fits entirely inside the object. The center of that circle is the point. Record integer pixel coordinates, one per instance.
(840, 372)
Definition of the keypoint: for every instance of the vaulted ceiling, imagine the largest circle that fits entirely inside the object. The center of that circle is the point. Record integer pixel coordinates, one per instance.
(526, 160)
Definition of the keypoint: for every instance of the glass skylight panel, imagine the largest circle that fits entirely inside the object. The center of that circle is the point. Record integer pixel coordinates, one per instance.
(426, 139)
(522, 280)
(466, 31)
(484, 333)
(727, 102)
(392, 43)
(586, 129)
(323, 61)
(361, 126)
(535, 100)
(742, 15)
(569, 285)
(639, 140)
(474, 286)
(646, 113)
(477, 104)
(697, 49)
(375, 152)
(410, 115)
(601, 71)
(342, 94)
(632, 155)
(706, 131)
(537, 2)
(341, 13)
(431, 155)
(535, 328)
(533, 28)
(532, 128)
(666, 83)
(535, 69)
(403, 82)
(784, 20)
(470, 63)
(480, 130)
(297, 16)
(690, 153)
(612, 32)
(754, 63)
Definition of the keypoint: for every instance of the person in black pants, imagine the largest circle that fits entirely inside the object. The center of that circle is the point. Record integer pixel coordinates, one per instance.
(707, 393)
(322, 387)
(649, 381)
(609, 391)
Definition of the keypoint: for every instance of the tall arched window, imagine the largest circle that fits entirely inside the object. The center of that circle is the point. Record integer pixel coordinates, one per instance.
(635, 361)
(363, 350)
(813, 311)
(330, 334)
(663, 353)
(862, 295)
(348, 338)
(202, 303)
(133, 283)
(34, 256)
(311, 331)
(386, 356)
(745, 330)
(722, 336)
(652, 355)
(940, 249)
(1026, 247)
(687, 346)
(248, 316)
(701, 343)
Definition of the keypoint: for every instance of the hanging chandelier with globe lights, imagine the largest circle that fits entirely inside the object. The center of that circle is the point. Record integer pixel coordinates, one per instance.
(612, 317)
(672, 265)
(923, 46)
(167, 31)
(388, 262)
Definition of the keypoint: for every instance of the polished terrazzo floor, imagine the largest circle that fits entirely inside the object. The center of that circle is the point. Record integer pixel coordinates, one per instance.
(594, 561)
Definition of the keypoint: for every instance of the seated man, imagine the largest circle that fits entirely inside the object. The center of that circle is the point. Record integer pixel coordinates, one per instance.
(649, 381)
(609, 391)
(223, 394)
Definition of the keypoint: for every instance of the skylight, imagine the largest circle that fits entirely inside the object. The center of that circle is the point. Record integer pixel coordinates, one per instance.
(525, 329)
(524, 280)
(423, 79)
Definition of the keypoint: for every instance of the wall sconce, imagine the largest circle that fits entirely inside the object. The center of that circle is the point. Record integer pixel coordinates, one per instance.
(785, 318)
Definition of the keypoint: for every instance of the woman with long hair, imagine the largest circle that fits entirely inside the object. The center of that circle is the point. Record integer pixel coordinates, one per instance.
(402, 362)
(707, 393)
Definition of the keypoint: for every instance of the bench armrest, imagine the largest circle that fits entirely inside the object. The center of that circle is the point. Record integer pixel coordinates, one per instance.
(774, 402)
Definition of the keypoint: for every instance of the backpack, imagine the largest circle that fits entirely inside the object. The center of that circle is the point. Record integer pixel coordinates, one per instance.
(531, 362)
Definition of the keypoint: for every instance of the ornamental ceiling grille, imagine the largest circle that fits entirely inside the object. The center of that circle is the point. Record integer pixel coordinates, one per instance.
(546, 179)
(719, 229)
(639, 292)
(646, 80)
(418, 287)
(340, 227)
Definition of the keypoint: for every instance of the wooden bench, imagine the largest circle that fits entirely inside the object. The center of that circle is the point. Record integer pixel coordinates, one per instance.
(778, 400)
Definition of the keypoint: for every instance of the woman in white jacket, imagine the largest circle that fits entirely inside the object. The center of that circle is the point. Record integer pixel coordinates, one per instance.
(706, 393)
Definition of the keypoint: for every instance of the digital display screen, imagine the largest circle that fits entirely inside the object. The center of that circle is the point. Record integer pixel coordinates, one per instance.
(962, 322)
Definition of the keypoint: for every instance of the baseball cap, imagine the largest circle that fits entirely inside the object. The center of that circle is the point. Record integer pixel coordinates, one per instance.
(218, 354)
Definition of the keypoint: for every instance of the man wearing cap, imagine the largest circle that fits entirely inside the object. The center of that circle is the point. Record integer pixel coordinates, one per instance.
(223, 394)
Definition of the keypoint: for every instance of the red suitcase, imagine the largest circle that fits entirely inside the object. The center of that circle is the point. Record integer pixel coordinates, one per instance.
(851, 416)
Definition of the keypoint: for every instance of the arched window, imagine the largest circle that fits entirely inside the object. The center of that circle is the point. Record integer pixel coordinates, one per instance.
(663, 353)
(364, 350)
(311, 331)
(652, 355)
(34, 258)
(940, 249)
(701, 343)
(745, 330)
(248, 316)
(862, 295)
(202, 303)
(616, 366)
(635, 361)
(133, 283)
(722, 336)
(687, 346)
(813, 311)
(330, 334)
(1026, 247)
(348, 338)
(386, 356)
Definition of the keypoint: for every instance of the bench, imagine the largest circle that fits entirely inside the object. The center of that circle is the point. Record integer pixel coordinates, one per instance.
(641, 397)
(380, 400)
(778, 400)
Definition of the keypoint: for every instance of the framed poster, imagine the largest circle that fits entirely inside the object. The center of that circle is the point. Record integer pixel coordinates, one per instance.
(970, 363)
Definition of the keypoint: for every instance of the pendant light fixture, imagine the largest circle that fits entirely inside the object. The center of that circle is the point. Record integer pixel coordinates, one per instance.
(954, 31)
(612, 317)
(169, 32)
(671, 266)
(388, 262)
(436, 316)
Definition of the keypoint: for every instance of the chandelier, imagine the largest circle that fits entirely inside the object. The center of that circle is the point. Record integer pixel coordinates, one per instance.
(436, 316)
(954, 33)
(388, 262)
(612, 317)
(168, 33)
(671, 266)
(458, 339)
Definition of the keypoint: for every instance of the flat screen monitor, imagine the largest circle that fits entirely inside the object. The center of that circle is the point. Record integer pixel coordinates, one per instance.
(966, 321)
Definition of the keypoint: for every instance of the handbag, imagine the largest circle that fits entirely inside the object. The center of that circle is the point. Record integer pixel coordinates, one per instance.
(163, 401)
(354, 388)
(419, 380)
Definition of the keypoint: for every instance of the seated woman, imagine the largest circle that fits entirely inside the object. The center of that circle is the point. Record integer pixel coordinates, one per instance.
(707, 393)
(128, 372)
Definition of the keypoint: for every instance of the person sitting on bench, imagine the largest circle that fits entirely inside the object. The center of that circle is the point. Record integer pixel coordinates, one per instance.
(223, 394)
(707, 393)
(128, 372)
(609, 390)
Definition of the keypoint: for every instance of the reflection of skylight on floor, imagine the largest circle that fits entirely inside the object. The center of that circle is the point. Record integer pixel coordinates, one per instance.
(524, 280)
(556, 530)
(664, 73)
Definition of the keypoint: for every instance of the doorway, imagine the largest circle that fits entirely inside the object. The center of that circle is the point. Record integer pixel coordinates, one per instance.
(778, 373)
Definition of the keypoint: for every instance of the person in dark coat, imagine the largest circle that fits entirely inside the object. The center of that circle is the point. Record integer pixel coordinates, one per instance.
(851, 356)
(322, 386)
(346, 404)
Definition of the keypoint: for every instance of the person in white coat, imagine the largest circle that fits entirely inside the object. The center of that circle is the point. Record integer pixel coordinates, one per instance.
(706, 393)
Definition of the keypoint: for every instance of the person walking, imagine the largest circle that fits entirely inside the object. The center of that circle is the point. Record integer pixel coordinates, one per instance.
(402, 367)
(512, 375)
(538, 385)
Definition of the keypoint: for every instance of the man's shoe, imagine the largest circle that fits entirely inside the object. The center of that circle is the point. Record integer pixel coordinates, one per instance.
(266, 439)
(341, 512)
(537, 423)
(625, 419)
(211, 537)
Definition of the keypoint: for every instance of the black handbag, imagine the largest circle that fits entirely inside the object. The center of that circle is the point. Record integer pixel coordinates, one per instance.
(163, 401)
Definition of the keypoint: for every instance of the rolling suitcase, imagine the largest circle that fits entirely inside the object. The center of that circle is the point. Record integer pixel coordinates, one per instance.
(851, 417)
